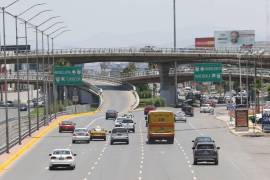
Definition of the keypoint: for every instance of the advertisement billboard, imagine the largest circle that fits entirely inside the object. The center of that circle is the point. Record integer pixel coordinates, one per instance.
(241, 119)
(205, 42)
(235, 39)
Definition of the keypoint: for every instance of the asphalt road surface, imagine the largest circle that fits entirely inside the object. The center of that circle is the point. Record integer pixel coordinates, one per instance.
(12, 113)
(240, 157)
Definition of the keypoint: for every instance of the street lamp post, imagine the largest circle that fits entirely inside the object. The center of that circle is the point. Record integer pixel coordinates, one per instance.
(55, 96)
(5, 86)
(5, 62)
(240, 78)
(174, 49)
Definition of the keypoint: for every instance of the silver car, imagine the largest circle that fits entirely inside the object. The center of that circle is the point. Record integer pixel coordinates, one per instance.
(81, 135)
(62, 158)
(119, 134)
(180, 116)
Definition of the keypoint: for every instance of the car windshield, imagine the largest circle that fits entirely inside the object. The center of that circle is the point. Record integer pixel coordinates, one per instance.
(120, 119)
(80, 130)
(110, 111)
(61, 152)
(127, 121)
(67, 123)
(205, 146)
(119, 130)
(203, 139)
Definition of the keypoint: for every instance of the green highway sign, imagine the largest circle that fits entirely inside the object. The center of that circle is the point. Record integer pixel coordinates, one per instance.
(208, 72)
(68, 75)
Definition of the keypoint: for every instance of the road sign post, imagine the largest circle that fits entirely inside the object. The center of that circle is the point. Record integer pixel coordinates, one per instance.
(208, 72)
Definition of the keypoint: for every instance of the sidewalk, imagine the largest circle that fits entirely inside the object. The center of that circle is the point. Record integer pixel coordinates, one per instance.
(254, 130)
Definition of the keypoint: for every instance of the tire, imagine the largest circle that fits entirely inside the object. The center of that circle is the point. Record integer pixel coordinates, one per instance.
(216, 162)
(111, 143)
(170, 140)
(195, 162)
(91, 139)
(60, 131)
(88, 141)
(51, 168)
(133, 130)
(150, 141)
(106, 118)
(72, 167)
(105, 139)
(73, 141)
(127, 142)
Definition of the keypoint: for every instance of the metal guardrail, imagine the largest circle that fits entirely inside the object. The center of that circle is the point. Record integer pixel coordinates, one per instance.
(142, 51)
(14, 128)
(135, 75)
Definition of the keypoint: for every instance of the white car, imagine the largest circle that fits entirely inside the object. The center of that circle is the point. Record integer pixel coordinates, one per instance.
(129, 124)
(180, 116)
(81, 135)
(206, 108)
(118, 121)
(62, 158)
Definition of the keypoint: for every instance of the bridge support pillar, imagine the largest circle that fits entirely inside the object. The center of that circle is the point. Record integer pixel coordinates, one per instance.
(167, 84)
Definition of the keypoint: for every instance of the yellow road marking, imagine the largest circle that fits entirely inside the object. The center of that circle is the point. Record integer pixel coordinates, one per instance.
(35, 139)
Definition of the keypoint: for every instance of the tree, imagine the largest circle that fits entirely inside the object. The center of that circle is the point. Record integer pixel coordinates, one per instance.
(129, 69)
(63, 62)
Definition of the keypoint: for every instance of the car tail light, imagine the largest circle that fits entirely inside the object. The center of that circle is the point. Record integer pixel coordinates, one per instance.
(53, 157)
(69, 157)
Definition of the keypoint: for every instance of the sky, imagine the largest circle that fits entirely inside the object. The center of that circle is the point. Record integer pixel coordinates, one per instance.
(136, 23)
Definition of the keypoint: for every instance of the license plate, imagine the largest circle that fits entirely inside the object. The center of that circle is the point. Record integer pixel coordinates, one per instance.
(61, 158)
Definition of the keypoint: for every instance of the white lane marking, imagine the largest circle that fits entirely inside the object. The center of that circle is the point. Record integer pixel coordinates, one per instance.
(193, 127)
(186, 157)
(93, 121)
(98, 158)
(96, 163)
(140, 178)
(46, 168)
(84, 178)
(89, 173)
(92, 167)
(140, 171)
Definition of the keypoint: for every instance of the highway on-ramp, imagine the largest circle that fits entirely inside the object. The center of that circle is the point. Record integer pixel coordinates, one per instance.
(240, 157)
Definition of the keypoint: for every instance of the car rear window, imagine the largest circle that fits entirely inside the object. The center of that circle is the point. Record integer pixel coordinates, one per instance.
(204, 139)
(80, 130)
(119, 130)
(205, 146)
(61, 152)
(67, 123)
(127, 121)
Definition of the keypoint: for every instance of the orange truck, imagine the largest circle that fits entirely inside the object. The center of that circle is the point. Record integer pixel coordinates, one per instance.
(161, 126)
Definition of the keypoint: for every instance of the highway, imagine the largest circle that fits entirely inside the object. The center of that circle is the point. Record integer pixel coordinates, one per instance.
(240, 157)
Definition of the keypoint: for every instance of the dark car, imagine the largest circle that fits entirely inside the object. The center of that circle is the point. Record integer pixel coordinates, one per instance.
(66, 126)
(149, 108)
(119, 134)
(202, 139)
(23, 107)
(188, 110)
(111, 114)
(205, 152)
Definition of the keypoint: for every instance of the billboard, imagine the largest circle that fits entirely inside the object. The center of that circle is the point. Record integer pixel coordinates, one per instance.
(205, 42)
(235, 39)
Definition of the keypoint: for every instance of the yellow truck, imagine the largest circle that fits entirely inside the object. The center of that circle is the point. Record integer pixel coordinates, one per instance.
(160, 126)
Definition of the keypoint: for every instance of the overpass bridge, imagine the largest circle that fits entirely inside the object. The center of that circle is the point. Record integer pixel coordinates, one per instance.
(158, 55)
(166, 58)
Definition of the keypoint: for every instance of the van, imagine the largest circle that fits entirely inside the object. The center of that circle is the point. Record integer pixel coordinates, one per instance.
(161, 126)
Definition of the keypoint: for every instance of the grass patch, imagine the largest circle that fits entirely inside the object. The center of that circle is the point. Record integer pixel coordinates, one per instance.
(157, 101)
